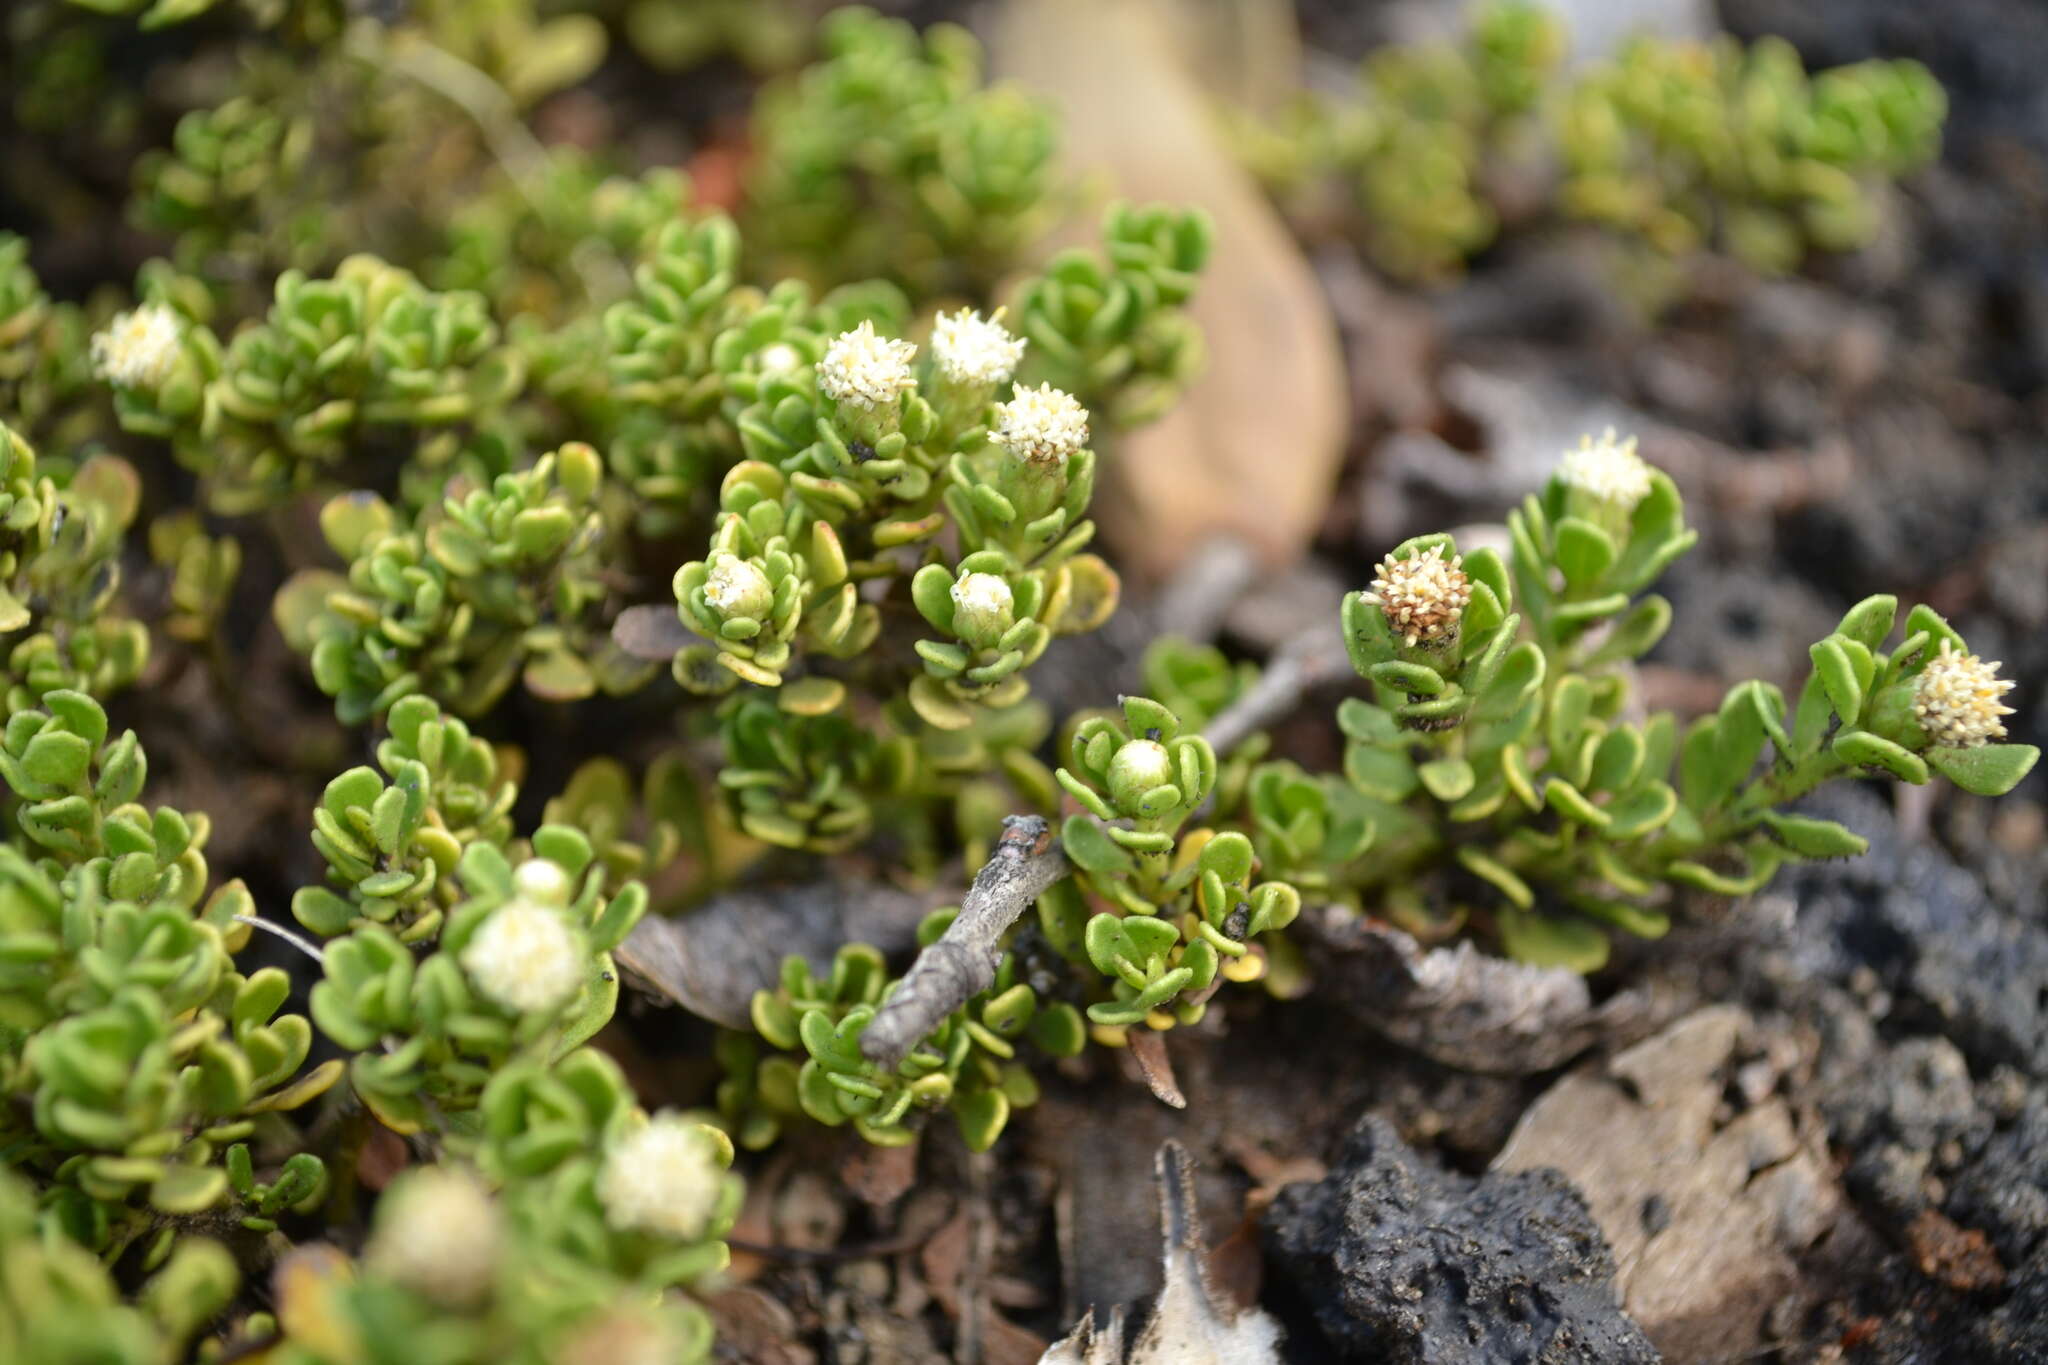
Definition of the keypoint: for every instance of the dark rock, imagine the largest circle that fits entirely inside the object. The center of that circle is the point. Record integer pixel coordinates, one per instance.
(2005, 1191)
(1918, 1095)
(1403, 1263)
(1952, 962)
(2017, 1332)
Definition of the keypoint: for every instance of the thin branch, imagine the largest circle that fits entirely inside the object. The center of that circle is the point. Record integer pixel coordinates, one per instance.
(1308, 660)
(297, 940)
(1026, 860)
(511, 142)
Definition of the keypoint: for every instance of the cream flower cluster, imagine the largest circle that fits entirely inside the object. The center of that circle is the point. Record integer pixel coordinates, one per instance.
(1607, 469)
(1422, 596)
(526, 957)
(1957, 699)
(865, 369)
(971, 349)
(137, 349)
(1042, 424)
(663, 1178)
(437, 1232)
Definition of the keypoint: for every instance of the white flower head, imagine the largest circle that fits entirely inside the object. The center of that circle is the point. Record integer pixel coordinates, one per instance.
(984, 595)
(1041, 424)
(437, 1232)
(1957, 699)
(971, 349)
(138, 349)
(866, 370)
(1608, 470)
(526, 957)
(738, 587)
(663, 1178)
(1423, 596)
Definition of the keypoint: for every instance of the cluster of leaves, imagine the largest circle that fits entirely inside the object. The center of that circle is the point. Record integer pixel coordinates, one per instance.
(495, 584)
(59, 1302)
(45, 372)
(280, 405)
(1187, 910)
(1410, 152)
(61, 623)
(1679, 145)
(136, 1055)
(1738, 148)
(1503, 778)
(891, 159)
(968, 1066)
(144, 1070)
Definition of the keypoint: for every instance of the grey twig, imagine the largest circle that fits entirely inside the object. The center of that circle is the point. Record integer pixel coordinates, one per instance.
(1026, 860)
(1308, 660)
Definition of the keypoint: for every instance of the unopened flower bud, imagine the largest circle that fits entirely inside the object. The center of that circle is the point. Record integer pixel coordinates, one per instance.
(983, 608)
(543, 881)
(737, 587)
(1138, 767)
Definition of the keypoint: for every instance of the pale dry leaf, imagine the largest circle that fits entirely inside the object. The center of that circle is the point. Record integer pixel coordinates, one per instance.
(1459, 1006)
(712, 959)
(1253, 447)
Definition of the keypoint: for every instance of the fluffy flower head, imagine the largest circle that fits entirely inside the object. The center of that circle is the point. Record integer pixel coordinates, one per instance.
(526, 957)
(866, 370)
(437, 1232)
(137, 350)
(971, 349)
(663, 1178)
(1607, 469)
(1422, 596)
(1041, 424)
(1957, 699)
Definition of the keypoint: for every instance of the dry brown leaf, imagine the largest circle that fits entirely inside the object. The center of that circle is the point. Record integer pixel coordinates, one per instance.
(1254, 446)
(1148, 1051)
